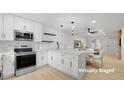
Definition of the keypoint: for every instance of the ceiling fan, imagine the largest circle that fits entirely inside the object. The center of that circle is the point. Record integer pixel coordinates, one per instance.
(91, 31)
(94, 31)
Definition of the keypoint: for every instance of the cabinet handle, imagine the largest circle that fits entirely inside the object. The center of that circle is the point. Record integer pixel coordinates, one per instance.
(4, 35)
(70, 64)
(1, 35)
(62, 61)
(42, 57)
(51, 57)
(2, 57)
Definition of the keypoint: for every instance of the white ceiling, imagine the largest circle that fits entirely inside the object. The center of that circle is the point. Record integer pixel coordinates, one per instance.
(110, 22)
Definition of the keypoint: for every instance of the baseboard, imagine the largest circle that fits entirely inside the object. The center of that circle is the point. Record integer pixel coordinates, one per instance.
(39, 67)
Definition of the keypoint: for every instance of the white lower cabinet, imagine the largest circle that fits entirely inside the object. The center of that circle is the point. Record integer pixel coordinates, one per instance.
(52, 59)
(61, 62)
(74, 65)
(66, 67)
(57, 57)
(41, 58)
(67, 63)
(8, 66)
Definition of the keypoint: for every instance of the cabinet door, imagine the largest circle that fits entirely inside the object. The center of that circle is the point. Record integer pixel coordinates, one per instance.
(28, 25)
(19, 23)
(57, 59)
(8, 66)
(37, 32)
(1, 26)
(38, 61)
(41, 58)
(52, 58)
(8, 27)
(63, 65)
(67, 64)
(74, 66)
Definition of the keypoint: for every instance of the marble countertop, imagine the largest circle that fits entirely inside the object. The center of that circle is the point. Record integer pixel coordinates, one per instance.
(7, 53)
(70, 51)
(4, 53)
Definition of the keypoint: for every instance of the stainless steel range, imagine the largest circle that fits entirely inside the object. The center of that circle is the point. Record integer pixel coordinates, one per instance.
(25, 60)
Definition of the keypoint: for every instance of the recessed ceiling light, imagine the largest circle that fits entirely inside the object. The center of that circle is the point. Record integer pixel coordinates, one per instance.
(61, 25)
(93, 21)
(72, 22)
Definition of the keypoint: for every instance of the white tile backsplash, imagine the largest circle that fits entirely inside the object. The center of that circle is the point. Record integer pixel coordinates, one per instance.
(6, 46)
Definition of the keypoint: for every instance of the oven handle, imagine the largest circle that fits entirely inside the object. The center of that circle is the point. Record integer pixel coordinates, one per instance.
(22, 54)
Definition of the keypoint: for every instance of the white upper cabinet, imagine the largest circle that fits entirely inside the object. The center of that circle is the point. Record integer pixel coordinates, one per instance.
(19, 23)
(28, 25)
(8, 23)
(42, 57)
(1, 26)
(23, 24)
(8, 27)
(37, 32)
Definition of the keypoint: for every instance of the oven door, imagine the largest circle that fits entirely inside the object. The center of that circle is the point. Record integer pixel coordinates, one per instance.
(26, 36)
(24, 61)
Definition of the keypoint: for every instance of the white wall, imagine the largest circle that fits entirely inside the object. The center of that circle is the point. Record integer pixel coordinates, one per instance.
(48, 46)
(65, 39)
(108, 43)
(69, 40)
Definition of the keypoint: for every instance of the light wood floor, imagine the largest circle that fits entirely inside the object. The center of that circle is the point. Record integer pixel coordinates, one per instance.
(45, 73)
(109, 61)
(49, 73)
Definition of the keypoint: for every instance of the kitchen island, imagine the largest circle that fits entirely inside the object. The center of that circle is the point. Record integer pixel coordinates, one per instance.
(68, 61)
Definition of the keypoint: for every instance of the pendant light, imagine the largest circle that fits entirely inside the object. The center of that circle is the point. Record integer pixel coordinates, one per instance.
(73, 27)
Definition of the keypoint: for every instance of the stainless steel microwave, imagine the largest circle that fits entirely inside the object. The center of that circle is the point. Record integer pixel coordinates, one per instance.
(23, 36)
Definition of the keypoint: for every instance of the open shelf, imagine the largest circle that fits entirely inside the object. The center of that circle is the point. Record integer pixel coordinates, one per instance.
(49, 34)
(47, 41)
